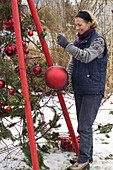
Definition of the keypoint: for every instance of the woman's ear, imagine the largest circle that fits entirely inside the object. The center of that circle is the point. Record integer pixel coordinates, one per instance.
(89, 23)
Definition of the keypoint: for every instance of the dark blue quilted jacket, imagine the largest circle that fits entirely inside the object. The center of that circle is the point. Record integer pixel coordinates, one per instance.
(89, 78)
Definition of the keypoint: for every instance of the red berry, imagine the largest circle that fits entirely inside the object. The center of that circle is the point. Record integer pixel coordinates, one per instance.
(30, 33)
(26, 51)
(2, 84)
(37, 69)
(8, 109)
(11, 91)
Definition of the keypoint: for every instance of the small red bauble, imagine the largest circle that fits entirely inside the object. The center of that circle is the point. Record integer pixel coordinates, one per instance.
(37, 69)
(0, 105)
(10, 49)
(23, 43)
(66, 143)
(9, 23)
(11, 91)
(16, 69)
(19, 1)
(1, 28)
(8, 108)
(26, 51)
(2, 84)
(30, 33)
(56, 77)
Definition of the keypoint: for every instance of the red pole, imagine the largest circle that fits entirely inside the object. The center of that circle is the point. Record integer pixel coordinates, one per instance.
(49, 62)
(24, 84)
(68, 122)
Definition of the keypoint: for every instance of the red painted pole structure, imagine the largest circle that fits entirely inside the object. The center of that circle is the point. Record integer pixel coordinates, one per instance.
(49, 62)
(24, 84)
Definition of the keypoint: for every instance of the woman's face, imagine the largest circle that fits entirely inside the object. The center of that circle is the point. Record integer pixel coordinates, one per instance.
(81, 26)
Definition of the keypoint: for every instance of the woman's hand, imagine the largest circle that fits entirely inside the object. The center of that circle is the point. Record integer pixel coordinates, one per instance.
(62, 41)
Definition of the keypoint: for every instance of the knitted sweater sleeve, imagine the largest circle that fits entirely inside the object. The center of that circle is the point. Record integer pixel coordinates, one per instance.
(86, 55)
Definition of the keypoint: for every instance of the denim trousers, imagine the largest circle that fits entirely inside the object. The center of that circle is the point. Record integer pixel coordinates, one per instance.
(87, 106)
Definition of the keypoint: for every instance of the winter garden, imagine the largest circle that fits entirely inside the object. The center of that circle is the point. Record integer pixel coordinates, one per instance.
(49, 124)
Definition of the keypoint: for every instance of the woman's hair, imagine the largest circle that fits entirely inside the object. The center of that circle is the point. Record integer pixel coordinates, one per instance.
(88, 18)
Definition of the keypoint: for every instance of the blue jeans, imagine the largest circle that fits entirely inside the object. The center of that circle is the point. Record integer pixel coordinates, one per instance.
(87, 107)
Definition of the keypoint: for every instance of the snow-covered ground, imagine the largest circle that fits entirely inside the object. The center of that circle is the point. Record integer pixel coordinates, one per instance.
(59, 160)
(103, 144)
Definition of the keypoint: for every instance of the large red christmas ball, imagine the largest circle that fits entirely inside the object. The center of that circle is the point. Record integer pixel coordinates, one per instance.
(37, 69)
(2, 84)
(56, 77)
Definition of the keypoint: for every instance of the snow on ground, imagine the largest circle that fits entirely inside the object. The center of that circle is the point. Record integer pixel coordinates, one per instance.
(59, 160)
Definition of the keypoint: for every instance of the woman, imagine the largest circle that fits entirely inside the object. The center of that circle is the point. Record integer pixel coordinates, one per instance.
(87, 72)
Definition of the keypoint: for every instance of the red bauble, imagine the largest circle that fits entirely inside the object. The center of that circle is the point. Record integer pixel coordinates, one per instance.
(66, 143)
(16, 69)
(11, 91)
(0, 105)
(2, 84)
(56, 77)
(1, 28)
(30, 33)
(10, 49)
(9, 23)
(26, 51)
(8, 108)
(37, 69)
(23, 43)
(19, 1)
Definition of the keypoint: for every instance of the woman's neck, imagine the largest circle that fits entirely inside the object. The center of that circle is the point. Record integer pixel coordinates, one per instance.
(85, 34)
